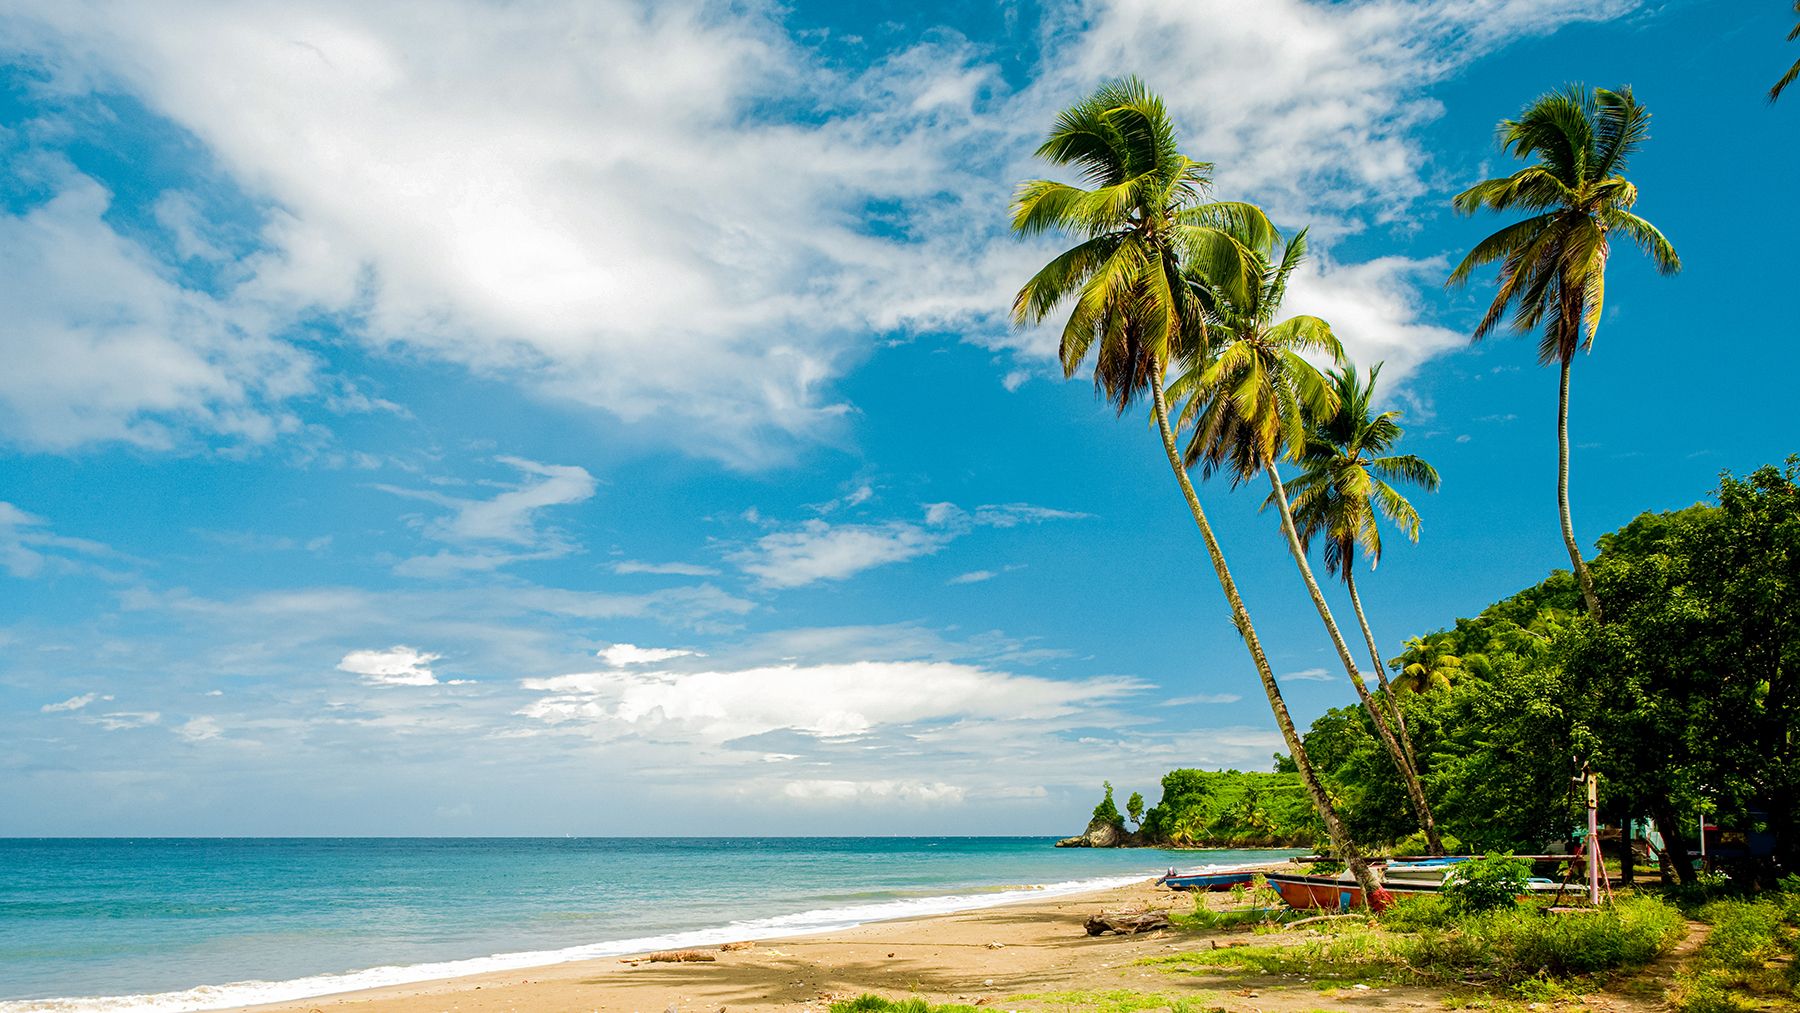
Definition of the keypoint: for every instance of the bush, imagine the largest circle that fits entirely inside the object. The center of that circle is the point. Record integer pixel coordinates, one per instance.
(1487, 884)
(868, 1003)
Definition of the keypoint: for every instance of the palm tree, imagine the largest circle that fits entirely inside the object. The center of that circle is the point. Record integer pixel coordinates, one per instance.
(1426, 663)
(1792, 72)
(1553, 264)
(1248, 400)
(1142, 217)
(1344, 484)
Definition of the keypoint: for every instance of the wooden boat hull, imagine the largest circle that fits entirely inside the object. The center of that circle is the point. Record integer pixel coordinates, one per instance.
(1327, 893)
(1208, 880)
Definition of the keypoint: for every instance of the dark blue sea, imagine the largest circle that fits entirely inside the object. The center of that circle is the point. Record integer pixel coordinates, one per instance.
(186, 924)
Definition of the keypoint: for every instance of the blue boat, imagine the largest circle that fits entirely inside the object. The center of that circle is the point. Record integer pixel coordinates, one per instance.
(1206, 880)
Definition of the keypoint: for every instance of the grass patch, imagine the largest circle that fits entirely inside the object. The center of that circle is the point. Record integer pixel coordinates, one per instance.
(870, 1003)
(1120, 1001)
(1519, 949)
(1748, 961)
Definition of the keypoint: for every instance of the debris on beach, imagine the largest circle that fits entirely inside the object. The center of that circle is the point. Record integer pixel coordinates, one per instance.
(680, 957)
(1126, 923)
(746, 944)
(996, 946)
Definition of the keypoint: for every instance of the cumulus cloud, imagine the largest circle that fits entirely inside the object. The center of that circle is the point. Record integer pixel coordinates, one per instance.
(395, 666)
(822, 700)
(102, 345)
(199, 729)
(498, 187)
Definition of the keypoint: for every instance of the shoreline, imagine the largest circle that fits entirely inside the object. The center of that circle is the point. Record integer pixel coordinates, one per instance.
(403, 987)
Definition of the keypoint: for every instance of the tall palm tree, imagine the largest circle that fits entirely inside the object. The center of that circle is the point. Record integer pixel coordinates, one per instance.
(1345, 484)
(1248, 401)
(1142, 216)
(1553, 264)
(1792, 72)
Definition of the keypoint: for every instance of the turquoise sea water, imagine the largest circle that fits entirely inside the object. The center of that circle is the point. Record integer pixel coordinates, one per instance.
(203, 923)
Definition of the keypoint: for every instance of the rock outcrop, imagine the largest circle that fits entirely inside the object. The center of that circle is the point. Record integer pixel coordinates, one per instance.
(1102, 834)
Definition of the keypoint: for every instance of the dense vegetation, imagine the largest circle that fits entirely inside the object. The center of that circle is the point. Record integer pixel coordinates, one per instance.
(1686, 697)
(1232, 809)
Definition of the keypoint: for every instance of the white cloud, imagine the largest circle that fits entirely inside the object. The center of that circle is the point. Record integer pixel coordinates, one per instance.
(818, 550)
(117, 721)
(823, 700)
(395, 666)
(1309, 675)
(101, 345)
(1376, 310)
(518, 190)
(841, 791)
(28, 546)
(621, 655)
(1206, 698)
(972, 577)
(670, 569)
(490, 533)
(73, 703)
(199, 729)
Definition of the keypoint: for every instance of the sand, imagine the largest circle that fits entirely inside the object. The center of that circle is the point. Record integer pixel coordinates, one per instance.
(987, 957)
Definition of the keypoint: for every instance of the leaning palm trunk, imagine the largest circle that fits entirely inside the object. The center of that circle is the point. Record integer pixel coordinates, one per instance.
(1408, 777)
(1387, 691)
(1339, 834)
(1582, 576)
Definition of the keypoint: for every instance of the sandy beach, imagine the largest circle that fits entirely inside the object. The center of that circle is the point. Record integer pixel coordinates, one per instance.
(983, 957)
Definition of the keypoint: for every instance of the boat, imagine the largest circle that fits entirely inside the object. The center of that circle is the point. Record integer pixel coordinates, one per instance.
(1206, 880)
(1342, 892)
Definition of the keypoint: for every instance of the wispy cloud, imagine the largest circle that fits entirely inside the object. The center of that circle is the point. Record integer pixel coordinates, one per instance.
(73, 703)
(1309, 675)
(486, 534)
(818, 550)
(669, 569)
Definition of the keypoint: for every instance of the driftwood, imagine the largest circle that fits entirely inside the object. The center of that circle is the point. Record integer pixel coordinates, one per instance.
(680, 957)
(748, 944)
(1126, 923)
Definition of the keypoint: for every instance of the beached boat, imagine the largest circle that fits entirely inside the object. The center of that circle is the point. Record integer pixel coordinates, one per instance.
(1342, 893)
(1206, 880)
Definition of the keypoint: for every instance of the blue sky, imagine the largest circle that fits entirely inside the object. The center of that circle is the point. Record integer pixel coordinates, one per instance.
(573, 418)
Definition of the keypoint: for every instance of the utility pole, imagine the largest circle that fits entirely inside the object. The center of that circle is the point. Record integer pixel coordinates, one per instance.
(1593, 803)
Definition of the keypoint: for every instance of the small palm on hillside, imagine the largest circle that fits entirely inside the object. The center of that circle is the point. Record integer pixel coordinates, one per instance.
(1793, 72)
(1553, 264)
(1345, 484)
(1427, 663)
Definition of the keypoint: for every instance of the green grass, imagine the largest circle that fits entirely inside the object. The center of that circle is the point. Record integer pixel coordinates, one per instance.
(1426, 944)
(1748, 960)
(1121, 1001)
(869, 1003)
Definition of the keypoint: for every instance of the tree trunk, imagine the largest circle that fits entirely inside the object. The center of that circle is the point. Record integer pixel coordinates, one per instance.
(1387, 691)
(1341, 841)
(1673, 841)
(1409, 778)
(1582, 576)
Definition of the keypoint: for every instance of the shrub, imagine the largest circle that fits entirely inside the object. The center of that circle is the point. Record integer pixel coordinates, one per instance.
(1487, 884)
(868, 1003)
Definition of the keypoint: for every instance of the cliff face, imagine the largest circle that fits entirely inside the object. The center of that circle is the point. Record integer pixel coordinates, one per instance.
(1102, 834)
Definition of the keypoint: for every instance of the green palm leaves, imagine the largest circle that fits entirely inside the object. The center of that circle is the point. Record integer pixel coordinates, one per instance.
(1793, 72)
(1143, 216)
(1553, 263)
(1348, 473)
(1250, 391)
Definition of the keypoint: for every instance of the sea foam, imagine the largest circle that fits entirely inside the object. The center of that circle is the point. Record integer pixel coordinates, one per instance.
(249, 993)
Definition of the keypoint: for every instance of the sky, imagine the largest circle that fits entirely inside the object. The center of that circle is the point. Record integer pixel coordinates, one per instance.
(603, 418)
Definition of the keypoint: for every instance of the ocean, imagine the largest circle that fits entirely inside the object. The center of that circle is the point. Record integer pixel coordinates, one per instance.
(191, 924)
